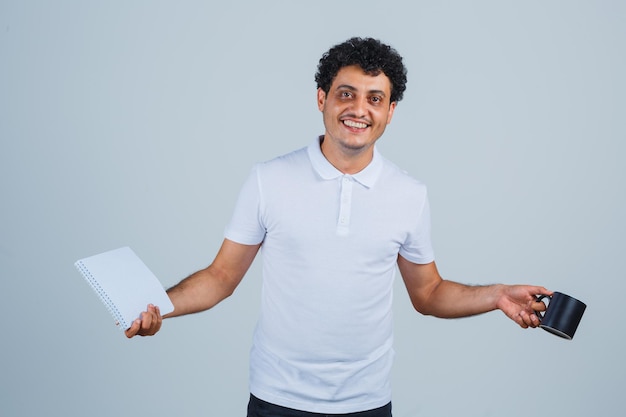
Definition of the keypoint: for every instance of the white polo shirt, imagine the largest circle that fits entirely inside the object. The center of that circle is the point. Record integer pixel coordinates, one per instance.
(323, 342)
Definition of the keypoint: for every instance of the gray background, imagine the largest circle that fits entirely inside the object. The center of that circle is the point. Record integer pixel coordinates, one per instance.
(135, 122)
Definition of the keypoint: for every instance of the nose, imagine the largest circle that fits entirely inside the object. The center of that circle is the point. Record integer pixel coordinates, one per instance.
(359, 107)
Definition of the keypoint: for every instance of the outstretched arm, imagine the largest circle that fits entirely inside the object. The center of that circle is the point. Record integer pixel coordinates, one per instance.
(432, 295)
(203, 289)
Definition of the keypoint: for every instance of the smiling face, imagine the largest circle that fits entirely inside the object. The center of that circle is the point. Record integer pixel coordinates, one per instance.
(356, 111)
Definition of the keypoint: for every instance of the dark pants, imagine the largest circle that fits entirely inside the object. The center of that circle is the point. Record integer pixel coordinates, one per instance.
(260, 408)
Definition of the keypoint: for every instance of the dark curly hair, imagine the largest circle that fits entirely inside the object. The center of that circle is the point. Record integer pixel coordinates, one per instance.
(371, 55)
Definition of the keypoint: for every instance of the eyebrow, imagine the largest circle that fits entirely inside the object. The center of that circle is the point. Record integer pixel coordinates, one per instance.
(351, 88)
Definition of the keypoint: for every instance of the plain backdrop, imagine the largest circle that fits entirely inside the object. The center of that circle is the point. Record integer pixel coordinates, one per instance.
(136, 122)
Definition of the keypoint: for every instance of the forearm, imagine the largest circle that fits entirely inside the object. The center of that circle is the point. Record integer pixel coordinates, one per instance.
(207, 287)
(199, 292)
(432, 295)
(518, 302)
(449, 299)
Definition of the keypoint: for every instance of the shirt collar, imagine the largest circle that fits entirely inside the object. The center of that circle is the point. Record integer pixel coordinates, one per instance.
(366, 177)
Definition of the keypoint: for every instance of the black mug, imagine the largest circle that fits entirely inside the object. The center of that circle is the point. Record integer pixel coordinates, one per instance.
(562, 316)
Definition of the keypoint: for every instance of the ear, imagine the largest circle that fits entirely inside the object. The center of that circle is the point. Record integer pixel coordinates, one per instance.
(392, 107)
(321, 99)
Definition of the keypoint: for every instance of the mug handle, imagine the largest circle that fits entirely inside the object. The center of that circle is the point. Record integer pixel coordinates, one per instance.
(537, 299)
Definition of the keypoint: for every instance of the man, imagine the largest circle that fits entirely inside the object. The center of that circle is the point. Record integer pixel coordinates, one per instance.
(333, 221)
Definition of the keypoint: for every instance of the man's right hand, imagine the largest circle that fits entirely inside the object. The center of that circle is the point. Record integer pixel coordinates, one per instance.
(147, 324)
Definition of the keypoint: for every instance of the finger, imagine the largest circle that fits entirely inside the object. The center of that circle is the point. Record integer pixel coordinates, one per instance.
(133, 329)
(542, 291)
(519, 319)
(530, 320)
(538, 306)
(147, 318)
(534, 321)
(159, 318)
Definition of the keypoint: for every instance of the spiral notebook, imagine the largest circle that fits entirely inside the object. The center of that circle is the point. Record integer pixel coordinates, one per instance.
(124, 284)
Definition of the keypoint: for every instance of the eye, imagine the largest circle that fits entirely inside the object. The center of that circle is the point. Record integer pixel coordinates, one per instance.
(345, 94)
(376, 99)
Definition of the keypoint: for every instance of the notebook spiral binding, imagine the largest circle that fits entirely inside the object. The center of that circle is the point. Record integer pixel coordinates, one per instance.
(119, 319)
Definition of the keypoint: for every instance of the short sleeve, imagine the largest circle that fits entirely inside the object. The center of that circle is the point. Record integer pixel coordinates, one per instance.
(417, 248)
(245, 226)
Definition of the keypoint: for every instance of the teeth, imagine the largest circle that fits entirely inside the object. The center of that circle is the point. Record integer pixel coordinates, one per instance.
(357, 125)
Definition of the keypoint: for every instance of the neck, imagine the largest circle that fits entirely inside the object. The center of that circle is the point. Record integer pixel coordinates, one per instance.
(348, 161)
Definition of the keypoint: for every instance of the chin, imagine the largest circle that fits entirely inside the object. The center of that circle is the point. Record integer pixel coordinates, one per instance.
(355, 147)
